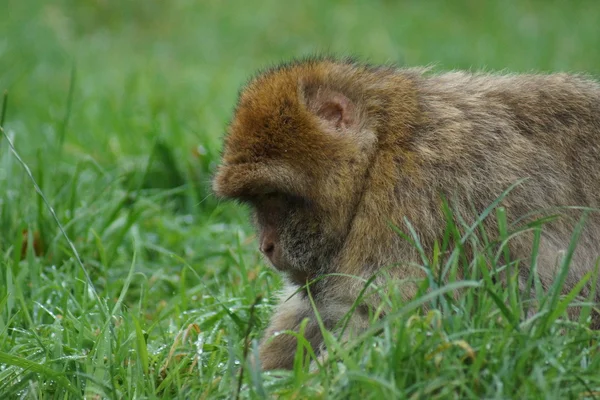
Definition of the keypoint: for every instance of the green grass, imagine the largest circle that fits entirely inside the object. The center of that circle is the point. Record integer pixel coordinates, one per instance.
(118, 109)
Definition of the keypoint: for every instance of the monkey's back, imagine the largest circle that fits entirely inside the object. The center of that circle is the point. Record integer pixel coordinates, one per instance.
(490, 131)
(482, 133)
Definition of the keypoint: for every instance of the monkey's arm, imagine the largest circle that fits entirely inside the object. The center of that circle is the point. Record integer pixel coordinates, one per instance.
(278, 351)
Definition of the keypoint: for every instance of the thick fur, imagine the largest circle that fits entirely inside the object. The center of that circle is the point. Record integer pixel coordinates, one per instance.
(409, 138)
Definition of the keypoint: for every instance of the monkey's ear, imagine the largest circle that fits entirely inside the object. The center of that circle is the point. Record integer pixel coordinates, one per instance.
(332, 107)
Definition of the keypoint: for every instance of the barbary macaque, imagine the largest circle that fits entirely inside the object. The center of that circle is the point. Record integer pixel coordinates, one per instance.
(330, 154)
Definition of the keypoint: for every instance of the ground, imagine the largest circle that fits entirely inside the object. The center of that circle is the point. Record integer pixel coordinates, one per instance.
(128, 279)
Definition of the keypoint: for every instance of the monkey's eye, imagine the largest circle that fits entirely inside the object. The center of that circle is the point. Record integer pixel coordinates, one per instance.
(274, 202)
(285, 199)
(248, 200)
(272, 195)
(263, 199)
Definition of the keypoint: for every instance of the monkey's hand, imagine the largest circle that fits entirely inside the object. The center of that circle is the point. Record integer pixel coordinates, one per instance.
(277, 349)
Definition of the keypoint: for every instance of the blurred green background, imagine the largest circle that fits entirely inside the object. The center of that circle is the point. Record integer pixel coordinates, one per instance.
(173, 68)
(170, 71)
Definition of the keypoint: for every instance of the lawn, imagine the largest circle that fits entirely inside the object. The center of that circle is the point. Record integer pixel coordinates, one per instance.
(121, 276)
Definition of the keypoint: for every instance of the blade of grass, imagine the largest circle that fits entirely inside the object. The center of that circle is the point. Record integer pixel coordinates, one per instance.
(65, 122)
(533, 281)
(511, 273)
(562, 305)
(141, 345)
(414, 304)
(3, 112)
(556, 288)
(126, 284)
(102, 306)
(587, 310)
(246, 346)
(26, 364)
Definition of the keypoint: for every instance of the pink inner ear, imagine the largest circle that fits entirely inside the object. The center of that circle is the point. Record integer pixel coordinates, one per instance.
(332, 112)
(336, 109)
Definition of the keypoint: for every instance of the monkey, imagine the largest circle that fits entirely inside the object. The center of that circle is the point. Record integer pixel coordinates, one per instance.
(329, 154)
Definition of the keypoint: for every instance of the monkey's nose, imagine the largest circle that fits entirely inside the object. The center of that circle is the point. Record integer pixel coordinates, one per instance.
(267, 248)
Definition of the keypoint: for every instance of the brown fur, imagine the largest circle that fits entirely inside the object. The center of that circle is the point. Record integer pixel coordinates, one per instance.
(402, 139)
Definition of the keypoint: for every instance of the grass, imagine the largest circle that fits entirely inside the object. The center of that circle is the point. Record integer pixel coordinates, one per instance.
(137, 283)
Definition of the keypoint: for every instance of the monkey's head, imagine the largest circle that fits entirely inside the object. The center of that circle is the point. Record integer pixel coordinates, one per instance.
(297, 151)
